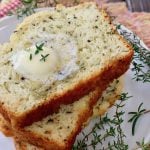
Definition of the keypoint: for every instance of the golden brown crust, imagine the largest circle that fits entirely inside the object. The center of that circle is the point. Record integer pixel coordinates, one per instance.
(5, 127)
(20, 145)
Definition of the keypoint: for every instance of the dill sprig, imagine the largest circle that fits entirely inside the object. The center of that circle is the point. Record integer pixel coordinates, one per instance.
(141, 59)
(136, 115)
(105, 128)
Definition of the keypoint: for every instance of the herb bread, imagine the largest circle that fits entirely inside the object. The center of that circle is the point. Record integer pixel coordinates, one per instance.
(102, 55)
(38, 130)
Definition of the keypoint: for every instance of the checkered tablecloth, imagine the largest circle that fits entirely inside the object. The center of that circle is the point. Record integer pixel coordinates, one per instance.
(8, 5)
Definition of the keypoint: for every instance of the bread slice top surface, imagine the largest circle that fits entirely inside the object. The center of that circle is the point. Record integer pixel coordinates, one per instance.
(97, 43)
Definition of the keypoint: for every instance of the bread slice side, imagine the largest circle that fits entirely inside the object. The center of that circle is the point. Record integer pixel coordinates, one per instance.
(104, 58)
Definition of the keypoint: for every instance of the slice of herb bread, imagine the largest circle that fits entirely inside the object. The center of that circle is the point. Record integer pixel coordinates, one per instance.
(45, 131)
(98, 56)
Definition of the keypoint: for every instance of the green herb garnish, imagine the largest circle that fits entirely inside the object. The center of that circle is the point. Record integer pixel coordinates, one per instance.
(30, 57)
(39, 48)
(105, 128)
(136, 115)
(141, 58)
(44, 57)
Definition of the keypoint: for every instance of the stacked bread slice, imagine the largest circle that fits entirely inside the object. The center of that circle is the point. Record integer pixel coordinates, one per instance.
(51, 115)
(108, 98)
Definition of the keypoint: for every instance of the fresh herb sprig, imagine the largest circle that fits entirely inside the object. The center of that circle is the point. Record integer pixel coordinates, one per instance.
(39, 48)
(136, 115)
(141, 56)
(111, 127)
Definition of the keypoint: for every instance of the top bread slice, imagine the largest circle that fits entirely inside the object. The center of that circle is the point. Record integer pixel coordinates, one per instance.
(103, 55)
(68, 116)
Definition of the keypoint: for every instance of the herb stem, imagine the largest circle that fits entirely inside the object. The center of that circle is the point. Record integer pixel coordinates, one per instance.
(136, 115)
(147, 111)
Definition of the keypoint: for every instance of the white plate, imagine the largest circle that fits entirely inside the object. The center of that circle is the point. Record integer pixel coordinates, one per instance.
(140, 92)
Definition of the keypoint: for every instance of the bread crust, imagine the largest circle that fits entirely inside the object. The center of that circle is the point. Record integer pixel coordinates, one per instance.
(5, 127)
(100, 78)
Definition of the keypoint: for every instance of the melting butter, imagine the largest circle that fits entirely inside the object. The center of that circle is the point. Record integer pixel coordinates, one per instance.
(29, 64)
(55, 61)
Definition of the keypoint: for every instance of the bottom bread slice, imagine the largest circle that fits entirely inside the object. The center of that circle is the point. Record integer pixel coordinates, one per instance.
(110, 95)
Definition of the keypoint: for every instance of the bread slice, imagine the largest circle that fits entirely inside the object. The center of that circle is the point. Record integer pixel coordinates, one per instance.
(103, 55)
(109, 96)
(35, 133)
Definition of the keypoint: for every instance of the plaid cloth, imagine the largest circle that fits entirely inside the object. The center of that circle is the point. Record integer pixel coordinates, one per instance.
(6, 8)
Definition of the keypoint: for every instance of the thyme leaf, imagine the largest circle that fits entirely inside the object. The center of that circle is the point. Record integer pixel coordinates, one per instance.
(44, 57)
(30, 57)
(136, 115)
(39, 48)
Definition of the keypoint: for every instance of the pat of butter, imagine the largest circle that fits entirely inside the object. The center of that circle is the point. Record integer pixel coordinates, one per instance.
(55, 61)
(29, 64)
